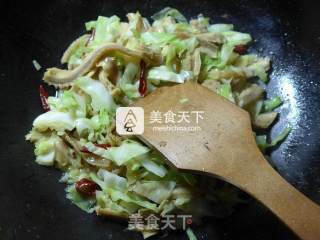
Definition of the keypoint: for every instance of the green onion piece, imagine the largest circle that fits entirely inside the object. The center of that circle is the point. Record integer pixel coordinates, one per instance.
(191, 234)
(271, 104)
(262, 139)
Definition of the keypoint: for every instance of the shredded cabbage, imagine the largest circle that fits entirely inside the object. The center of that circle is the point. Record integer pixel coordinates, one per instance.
(126, 82)
(225, 91)
(153, 167)
(83, 203)
(106, 30)
(111, 180)
(36, 65)
(53, 120)
(156, 191)
(163, 73)
(78, 134)
(237, 38)
(100, 97)
(220, 27)
(172, 12)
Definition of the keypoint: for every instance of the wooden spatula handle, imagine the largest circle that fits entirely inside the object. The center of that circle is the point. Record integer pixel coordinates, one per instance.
(226, 148)
(297, 211)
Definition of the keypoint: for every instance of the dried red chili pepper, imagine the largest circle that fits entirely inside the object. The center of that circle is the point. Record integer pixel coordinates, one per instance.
(87, 187)
(241, 49)
(106, 145)
(44, 98)
(84, 150)
(143, 82)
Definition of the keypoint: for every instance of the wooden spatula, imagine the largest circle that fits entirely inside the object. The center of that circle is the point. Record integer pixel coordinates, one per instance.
(225, 147)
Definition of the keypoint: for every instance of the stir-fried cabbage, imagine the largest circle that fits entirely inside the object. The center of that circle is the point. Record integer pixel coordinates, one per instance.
(100, 97)
(157, 74)
(77, 134)
(54, 120)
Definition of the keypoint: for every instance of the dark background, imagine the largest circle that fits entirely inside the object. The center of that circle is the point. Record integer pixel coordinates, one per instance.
(32, 201)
